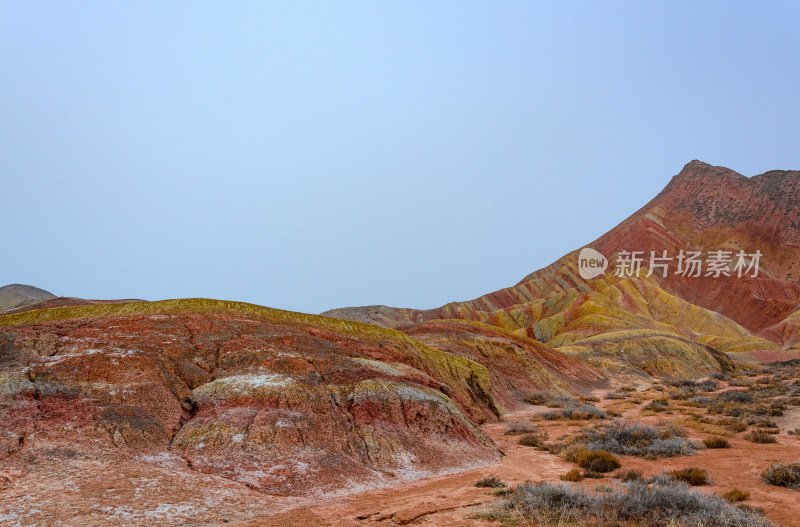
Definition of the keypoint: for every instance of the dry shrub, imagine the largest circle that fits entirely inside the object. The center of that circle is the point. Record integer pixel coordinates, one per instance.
(516, 429)
(760, 436)
(693, 476)
(716, 442)
(629, 475)
(783, 475)
(736, 495)
(490, 482)
(573, 475)
(531, 440)
(598, 461)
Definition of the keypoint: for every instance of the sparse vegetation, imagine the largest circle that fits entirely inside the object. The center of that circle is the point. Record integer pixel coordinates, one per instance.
(760, 436)
(736, 495)
(560, 402)
(693, 476)
(490, 482)
(537, 398)
(532, 440)
(657, 405)
(716, 442)
(700, 400)
(629, 475)
(737, 396)
(515, 429)
(640, 440)
(573, 475)
(783, 475)
(576, 413)
(664, 502)
(598, 461)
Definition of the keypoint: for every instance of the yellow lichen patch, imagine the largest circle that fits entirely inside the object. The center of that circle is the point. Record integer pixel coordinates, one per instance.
(13, 382)
(234, 386)
(738, 344)
(654, 352)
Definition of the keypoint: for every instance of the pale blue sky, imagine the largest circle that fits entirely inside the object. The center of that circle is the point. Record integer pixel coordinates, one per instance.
(316, 155)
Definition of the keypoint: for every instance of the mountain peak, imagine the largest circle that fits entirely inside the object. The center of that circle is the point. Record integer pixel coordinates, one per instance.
(16, 295)
(697, 170)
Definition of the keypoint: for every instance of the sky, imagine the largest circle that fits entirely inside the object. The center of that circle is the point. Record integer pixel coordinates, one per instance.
(312, 155)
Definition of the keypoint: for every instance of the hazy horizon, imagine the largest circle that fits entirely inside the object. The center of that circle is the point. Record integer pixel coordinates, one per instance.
(315, 156)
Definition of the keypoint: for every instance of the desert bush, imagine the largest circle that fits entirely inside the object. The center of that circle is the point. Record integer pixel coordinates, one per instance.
(560, 402)
(707, 385)
(490, 482)
(640, 440)
(760, 436)
(584, 411)
(737, 396)
(515, 429)
(736, 495)
(598, 461)
(732, 424)
(573, 475)
(781, 475)
(718, 376)
(616, 395)
(762, 422)
(657, 405)
(537, 398)
(740, 382)
(532, 440)
(665, 502)
(691, 386)
(680, 394)
(693, 476)
(716, 442)
(589, 399)
(700, 400)
(629, 475)
(572, 452)
(590, 474)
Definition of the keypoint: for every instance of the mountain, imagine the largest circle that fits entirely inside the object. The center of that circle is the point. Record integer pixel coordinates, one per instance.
(17, 298)
(667, 324)
(284, 403)
(13, 296)
(209, 394)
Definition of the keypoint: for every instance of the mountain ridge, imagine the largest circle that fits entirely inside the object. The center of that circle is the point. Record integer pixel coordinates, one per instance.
(703, 207)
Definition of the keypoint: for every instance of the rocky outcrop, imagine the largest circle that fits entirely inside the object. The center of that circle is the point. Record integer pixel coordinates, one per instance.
(283, 402)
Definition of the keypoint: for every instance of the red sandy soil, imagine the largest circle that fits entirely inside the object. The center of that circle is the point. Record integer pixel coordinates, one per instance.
(451, 500)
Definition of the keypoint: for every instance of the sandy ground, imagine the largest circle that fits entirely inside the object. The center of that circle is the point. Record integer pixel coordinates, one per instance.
(451, 500)
(67, 488)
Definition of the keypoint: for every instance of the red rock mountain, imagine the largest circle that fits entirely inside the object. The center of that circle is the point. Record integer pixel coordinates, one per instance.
(703, 208)
(206, 394)
(132, 402)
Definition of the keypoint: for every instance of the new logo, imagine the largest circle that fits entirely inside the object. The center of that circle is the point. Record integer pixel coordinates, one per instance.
(591, 263)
